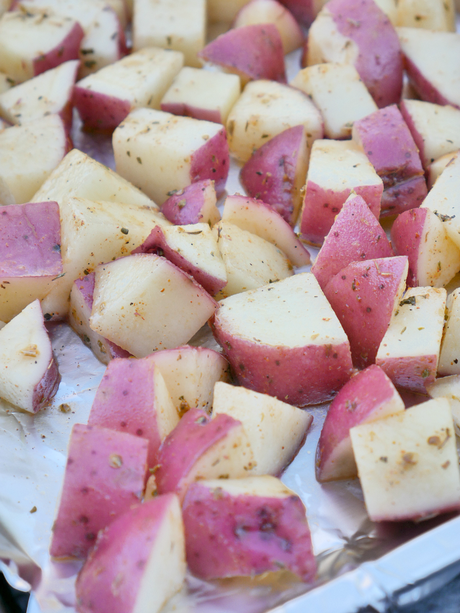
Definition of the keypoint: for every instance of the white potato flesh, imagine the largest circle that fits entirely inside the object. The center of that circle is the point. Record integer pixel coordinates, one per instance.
(25, 356)
(6, 82)
(153, 150)
(197, 244)
(327, 44)
(93, 233)
(266, 108)
(141, 78)
(443, 200)
(28, 155)
(100, 45)
(171, 24)
(449, 359)
(46, 93)
(339, 93)
(140, 300)
(224, 10)
(448, 387)
(389, 8)
(24, 37)
(204, 92)
(438, 166)
(408, 463)
(434, 55)
(275, 429)
(427, 14)
(341, 165)
(190, 374)
(250, 261)
(263, 485)
(261, 319)
(435, 128)
(81, 176)
(414, 336)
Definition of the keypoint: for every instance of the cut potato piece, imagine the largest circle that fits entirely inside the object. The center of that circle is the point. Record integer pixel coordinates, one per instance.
(139, 300)
(285, 340)
(449, 359)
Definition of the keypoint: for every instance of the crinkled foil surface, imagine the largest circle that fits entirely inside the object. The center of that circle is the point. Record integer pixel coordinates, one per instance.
(360, 563)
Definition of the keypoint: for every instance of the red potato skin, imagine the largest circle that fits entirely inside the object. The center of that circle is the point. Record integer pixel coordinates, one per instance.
(255, 52)
(379, 61)
(362, 296)
(69, 49)
(411, 373)
(406, 238)
(30, 240)
(212, 161)
(47, 388)
(227, 536)
(125, 401)
(105, 476)
(99, 111)
(185, 206)
(119, 559)
(322, 205)
(389, 145)
(355, 235)
(188, 110)
(403, 197)
(424, 88)
(302, 10)
(299, 376)
(270, 174)
(156, 243)
(191, 438)
(358, 399)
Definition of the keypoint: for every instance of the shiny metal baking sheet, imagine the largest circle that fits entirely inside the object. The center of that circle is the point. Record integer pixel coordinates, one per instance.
(360, 563)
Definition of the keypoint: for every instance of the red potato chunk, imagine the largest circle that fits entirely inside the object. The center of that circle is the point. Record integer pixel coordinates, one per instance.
(276, 172)
(246, 527)
(195, 203)
(104, 477)
(364, 296)
(138, 561)
(252, 52)
(284, 340)
(368, 396)
(200, 448)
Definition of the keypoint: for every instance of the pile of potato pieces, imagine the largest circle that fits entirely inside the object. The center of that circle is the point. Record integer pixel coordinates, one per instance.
(424, 239)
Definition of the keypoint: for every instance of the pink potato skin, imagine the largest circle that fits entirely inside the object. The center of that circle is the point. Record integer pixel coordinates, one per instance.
(119, 558)
(300, 376)
(255, 52)
(156, 243)
(424, 88)
(411, 373)
(362, 295)
(188, 110)
(47, 388)
(403, 197)
(303, 10)
(355, 235)
(99, 111)
(389, 145)
(357, 401)
(185, 206)
(86, 288)
(104, 476)
(69, 49)
(406, 237)
(228, 536)
(379, 61)
(30, 240)
(125, 401)
(212, 161)
(321, 205)
(270, 174)
(195, 433)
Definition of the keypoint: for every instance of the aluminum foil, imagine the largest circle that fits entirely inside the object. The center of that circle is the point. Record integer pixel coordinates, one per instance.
(360, 563)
